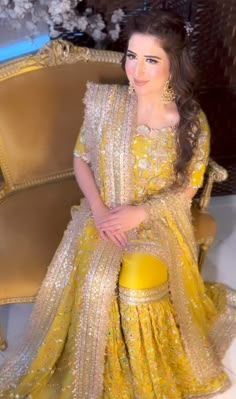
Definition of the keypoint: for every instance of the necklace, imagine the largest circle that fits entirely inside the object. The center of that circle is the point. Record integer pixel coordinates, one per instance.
(146, 130)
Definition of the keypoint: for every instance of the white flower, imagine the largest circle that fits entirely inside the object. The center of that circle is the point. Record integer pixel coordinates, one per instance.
(88, 11)
(82, 23)
(96, 22)
(53, 32)
(21, 7)
(32, 27)
(114, 34)
(117, 16)
(4, 3)
(58, 15)
(98, 36)
(43, 2)
(117, 27)
(16, 25)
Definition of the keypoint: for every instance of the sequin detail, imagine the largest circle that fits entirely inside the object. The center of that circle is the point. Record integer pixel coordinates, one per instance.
(105, 262)
(54, 287)
(143, 296)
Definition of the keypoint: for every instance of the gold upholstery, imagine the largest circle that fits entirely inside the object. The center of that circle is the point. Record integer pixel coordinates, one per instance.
(204, 225)
(41, 112)
(32, 224)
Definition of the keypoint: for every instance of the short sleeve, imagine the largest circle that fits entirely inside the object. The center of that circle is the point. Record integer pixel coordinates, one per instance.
(98, 104)
(199, 161)
(83, 142)
(81, 149)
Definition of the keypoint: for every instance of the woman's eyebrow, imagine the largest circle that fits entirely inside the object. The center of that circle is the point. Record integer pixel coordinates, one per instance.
(148, 56)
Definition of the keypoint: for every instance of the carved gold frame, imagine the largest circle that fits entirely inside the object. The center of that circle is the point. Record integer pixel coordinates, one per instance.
(57, 52)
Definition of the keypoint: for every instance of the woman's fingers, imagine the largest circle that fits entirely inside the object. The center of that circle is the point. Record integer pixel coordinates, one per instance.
(112, 226)
(109, 219)
(119, 239)
(113, 238)
(103, 235)
(115, 210)
(122, 239)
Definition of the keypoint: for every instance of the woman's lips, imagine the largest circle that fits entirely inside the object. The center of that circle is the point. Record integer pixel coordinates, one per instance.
(139, 82)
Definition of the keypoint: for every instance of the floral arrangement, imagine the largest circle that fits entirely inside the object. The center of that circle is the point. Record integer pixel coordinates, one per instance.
(60, 16)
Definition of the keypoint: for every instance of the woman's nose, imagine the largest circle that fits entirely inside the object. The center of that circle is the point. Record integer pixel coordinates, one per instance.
(139, 70)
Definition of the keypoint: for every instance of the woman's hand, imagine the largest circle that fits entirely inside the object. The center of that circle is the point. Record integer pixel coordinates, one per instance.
(100, 214)
(123, 218)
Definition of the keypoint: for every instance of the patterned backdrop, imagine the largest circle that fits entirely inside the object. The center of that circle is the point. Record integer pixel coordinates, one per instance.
(213, 46)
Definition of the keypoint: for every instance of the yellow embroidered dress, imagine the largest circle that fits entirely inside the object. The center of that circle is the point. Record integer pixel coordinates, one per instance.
(126, 324)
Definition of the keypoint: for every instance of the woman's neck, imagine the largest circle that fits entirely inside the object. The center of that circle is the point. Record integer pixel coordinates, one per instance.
(151, 107)
(150, 102)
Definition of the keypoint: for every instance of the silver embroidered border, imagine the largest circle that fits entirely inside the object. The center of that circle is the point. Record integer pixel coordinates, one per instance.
(143, 296)
(47, 301)
(200, 352)
(102, 277)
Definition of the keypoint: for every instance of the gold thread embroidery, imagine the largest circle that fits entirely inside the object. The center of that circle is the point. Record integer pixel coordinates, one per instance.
(104, 268)
(47, 302)
(143, 296)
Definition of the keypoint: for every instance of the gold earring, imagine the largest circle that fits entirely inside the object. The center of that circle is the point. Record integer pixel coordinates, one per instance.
(168, 94)
(131, 88)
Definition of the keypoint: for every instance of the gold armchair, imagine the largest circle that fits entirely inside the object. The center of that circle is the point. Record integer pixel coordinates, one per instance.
(41, 111)
(204, 224)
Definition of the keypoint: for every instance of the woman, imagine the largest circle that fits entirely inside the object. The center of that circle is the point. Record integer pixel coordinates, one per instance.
(123, 312)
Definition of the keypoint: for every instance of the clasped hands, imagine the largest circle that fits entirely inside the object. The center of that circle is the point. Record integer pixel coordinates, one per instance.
(112, 224)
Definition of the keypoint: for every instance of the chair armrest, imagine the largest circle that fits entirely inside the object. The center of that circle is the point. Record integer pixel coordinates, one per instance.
(214, 174)
(2, 185)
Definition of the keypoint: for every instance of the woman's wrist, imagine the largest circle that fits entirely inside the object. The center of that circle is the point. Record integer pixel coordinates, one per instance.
(97, 206)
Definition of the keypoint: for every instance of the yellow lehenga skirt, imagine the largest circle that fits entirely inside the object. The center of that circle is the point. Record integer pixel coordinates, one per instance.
(145, 356)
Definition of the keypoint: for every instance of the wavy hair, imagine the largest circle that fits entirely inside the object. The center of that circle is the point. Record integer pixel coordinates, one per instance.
(169, 28)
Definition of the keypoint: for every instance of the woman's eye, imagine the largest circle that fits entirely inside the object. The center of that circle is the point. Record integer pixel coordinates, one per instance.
(130, 56)
(151, 61)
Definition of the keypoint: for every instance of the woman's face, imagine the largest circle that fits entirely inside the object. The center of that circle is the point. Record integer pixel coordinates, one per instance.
(147, 65)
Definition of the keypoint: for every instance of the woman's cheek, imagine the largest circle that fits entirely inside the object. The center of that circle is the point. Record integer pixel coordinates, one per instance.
(154, 73)
(129, 68)
(159, 73)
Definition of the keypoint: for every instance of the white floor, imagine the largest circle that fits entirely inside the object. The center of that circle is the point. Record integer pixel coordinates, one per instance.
(220, 265)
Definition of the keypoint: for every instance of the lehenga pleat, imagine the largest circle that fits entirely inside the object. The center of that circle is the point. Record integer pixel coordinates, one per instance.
(145, 356)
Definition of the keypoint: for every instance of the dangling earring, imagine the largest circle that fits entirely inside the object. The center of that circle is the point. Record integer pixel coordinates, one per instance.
(131, 88)
(168, 94)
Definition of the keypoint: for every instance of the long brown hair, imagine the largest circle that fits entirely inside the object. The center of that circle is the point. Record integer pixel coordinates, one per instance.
(169, 28)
